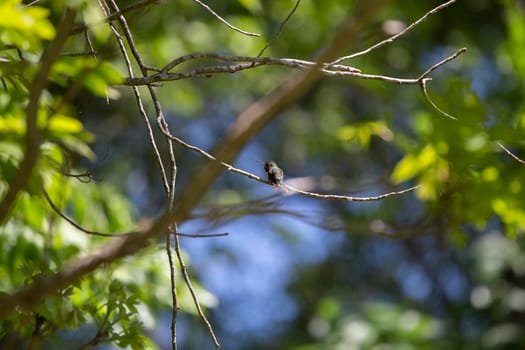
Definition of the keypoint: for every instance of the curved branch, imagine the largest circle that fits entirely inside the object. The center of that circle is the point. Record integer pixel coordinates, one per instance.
(114, 235)
(350, 198)
(427, 98)
(423, 80)
(512, 155)
(78, 226)
(224, 21)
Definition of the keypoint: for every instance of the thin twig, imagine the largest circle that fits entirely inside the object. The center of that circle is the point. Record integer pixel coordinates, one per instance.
(30, 4)
(172, 230)
(224, 21)
(209, 156)
(78, 226)
(115, 235)
(395, 36)
(351, 198)
(281, 27)
(90, 45)
(442, 62)
(515, 157)
(423, 86)
(196, 301)
(173, 283)
(86, 177)
(203, 235)
(423, 79)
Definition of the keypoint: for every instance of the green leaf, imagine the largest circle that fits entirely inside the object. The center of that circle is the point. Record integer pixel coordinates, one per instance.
(78, 146)
(411, 165)
(64, 124)
(24, 26)
(10, 150)
(362, 132)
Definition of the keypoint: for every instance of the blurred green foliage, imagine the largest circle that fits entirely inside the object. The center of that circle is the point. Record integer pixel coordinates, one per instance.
(117, 301)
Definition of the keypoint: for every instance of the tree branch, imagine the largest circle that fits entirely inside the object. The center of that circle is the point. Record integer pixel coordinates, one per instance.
(442, 62)
(350, 198)
(114, 235)
(254, 62)
(515, 157)
(224, 21)
(78, 226)
(395, 36)
(423, 80)
(281, 27)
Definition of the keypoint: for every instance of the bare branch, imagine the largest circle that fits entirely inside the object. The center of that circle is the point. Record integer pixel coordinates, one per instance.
(209, 156)
(34, 2)
(78, 226)
(90, 44)
(201, 235)
(224, 21)
(281, 27)
(196, 301)
(85, 177)
(442, 62)
(515, 157)
(423, 80)
(173, 282)
(427, 97)
(114, 235)
(395, 36)
(350, 198)
(253, 62)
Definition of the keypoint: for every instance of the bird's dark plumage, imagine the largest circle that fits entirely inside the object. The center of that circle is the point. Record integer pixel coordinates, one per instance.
(275, 175)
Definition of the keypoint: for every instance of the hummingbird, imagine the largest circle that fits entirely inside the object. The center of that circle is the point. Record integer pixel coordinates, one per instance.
(275, 175)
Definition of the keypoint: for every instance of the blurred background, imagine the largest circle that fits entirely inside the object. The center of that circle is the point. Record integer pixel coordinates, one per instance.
(439, 268)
